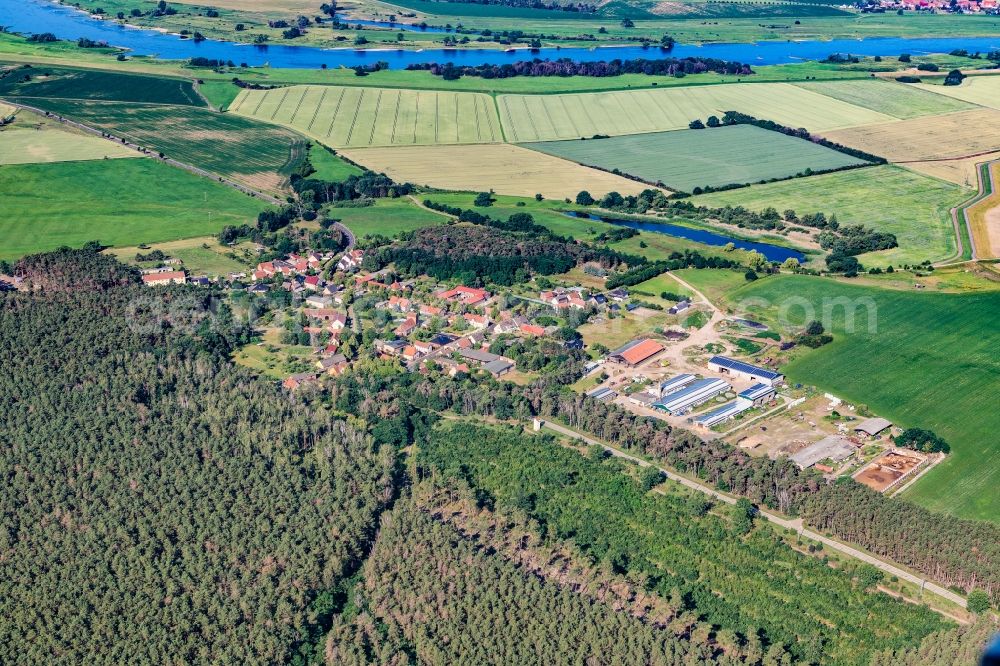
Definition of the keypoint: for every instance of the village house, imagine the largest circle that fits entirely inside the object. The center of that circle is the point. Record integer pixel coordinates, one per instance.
(407, 327)
(293, 382)
(333, 365)
(351, 261)
(318, 301)
(390, 347)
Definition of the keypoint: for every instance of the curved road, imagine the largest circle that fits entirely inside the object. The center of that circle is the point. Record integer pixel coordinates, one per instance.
(795, 524)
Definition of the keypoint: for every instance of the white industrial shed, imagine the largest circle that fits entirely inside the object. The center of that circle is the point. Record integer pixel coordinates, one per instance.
(694, 394)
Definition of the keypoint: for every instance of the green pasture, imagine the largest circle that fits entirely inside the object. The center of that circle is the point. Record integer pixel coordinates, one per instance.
(329, 166)
(887, 198)
(98, 85)
(714, 283)
(118, 202)
(929, 362)
(386, 217)
(546, 212)
(529, 118)
(359, 117)
(256, 154)
(220, 94)
(686, 159)
(899, 100)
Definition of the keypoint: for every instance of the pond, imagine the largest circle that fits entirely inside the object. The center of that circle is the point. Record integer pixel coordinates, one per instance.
(35, 16)
(772, 252)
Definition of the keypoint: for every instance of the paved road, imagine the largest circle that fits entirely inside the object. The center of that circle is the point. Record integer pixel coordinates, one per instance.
(348, 234)
(795, 524)
(167, 160)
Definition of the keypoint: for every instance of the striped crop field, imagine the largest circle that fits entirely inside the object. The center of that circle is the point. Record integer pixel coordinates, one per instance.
(574, 116)
(503, 168)
(982, 90)
(686, 159)
(899, 100)
(961, 134)
(350, 117)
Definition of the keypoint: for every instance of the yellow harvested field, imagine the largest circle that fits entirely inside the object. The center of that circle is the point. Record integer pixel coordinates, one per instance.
(358, 117)
(982, 90)
(962, 134)
(961, 171)
(507, 169)
(5, 110)
(573, 116)
(29, 146)
(984, 219)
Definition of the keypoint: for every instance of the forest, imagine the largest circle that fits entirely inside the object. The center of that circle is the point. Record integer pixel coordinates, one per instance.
(163, 505)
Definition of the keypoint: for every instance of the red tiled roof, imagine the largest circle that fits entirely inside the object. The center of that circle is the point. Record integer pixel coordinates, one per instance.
(642, 351)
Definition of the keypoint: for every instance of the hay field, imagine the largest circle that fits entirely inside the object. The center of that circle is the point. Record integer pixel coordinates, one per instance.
(572, 116)
(28, 146)
(899, 100)
(961, 134)
(982, 90)
(887, 198)
(357, 117)
(6, 110)
(504, 168)
(686, 159)
(961, 171)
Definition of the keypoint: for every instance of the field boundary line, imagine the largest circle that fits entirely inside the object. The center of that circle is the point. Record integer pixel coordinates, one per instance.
(280, 104)
(985, 189)
(378, 105)
(503, 134)
(291, 121)
(357, 109)
(395, 118)
(319, 105)
(793, 524)
(336, 112)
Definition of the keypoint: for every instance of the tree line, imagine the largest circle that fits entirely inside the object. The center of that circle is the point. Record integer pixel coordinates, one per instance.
(600, 68)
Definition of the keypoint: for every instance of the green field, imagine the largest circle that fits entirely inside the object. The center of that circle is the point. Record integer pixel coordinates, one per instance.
(329, 166)
(887, 198)
(256, 154)
(931, 363)
(118, 202)
(97, 85)
(553, 117)
(686, 159)
(387, 217)
(358, 117)
(28, 146)
(899, 100)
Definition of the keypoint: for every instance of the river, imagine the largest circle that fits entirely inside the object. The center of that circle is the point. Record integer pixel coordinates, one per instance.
(35, 16)
(772, 252)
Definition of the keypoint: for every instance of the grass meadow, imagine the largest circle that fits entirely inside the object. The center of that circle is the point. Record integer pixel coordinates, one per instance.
(899, 100)
(504, 168)
(930, 363)
(28, 146)
(686, 159)
(256, 154)
(529, 118)
(386, 217)
(357, 117)
(887, 198)
(329, 166)
(118, 202)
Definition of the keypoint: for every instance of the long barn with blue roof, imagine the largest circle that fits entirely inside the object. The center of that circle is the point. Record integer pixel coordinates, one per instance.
(726, 365)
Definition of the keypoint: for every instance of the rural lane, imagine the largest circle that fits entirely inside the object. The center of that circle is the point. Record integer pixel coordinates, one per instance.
(795, 524)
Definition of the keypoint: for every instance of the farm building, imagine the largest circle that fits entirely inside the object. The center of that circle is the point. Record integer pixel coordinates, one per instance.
(675, 384)
(696, 393)
(635, 352)
(602, 394)
(872, 427)
(758, 394)
(723, 413)
(499, 367)
(680, 307)
(726, 365)
(165, 277)
(834, 447)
